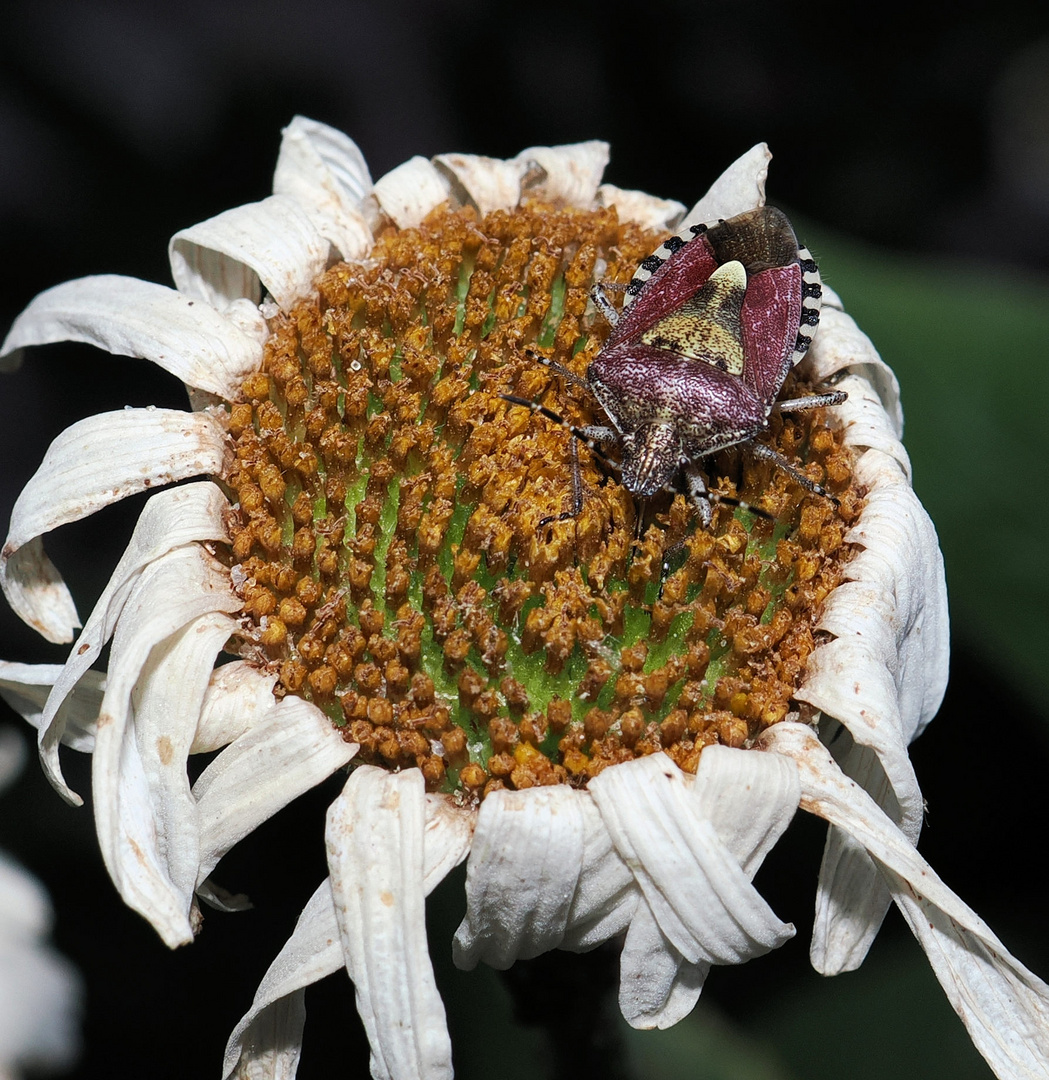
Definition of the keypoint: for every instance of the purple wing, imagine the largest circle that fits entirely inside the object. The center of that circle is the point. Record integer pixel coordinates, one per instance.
(674, 281)
(770, 317)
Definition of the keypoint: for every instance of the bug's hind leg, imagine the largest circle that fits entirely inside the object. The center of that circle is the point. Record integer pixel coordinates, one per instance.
(768, 454)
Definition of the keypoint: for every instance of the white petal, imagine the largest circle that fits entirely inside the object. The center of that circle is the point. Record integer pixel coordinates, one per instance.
(238, 698)
(409, 192)
(883, 677)
(703, 902)
(489, 183)
(224, 258)
(851, 896)
(95, 462)
(166, 701)
(128, 317)
(657, 986)
(1004, 1006)
(446, 841)
(524, 865)
(374, 837)
(749, 804)
(26, 687)
(266, 1044)
(569, 174)
(290, 749)
(170, 519)
(840, 344)
(326, 174)
(701, 898)
(739, 188)
(606, 894)
(170, 594)
(648, 211)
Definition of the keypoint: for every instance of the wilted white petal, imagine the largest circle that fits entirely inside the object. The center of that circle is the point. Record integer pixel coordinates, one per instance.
(239, 697)
(749, 800)
(26, 687)
(522, 873)
(266, 1044)
(245, 315)
(841, 344)
(739, 188)
(95, 462)
(166, 702)
(569, 174)
(1003, 1005)
(883, 677)
(701, 898)
(326, 174)
(852, 898)
(657, 986)
(290, 749)
(170, 594)
(606, 893)
(224, 258)
(409, 192)
(374, 837)
(489, 183)
(39, 990)
(129, 317)
(648, 211)
(169, 520)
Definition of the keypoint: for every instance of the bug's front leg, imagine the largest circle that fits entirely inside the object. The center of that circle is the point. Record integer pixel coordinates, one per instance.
(698, 493)
(815, 401)
(603, 304)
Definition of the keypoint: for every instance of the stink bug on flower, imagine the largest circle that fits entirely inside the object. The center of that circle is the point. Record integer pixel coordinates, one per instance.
(712, 323)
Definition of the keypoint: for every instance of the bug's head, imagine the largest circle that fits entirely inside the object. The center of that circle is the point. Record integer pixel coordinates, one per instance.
(650, 456)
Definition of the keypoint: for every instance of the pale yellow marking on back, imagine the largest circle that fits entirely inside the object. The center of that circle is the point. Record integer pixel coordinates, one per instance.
(707, 326)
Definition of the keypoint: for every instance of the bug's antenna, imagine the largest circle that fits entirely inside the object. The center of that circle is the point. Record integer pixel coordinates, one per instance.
(589, 436)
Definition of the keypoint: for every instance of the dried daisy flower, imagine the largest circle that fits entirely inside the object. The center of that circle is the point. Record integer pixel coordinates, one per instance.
(612, 708)
(39, 989)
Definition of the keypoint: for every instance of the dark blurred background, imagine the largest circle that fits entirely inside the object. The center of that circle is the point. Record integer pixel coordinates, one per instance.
(912, 148)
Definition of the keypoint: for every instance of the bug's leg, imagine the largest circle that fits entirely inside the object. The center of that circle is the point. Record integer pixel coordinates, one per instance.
(762, 451)
(557, 369)
(599, 295)
(577, 490)
(592, 436)
(816, 401)
(698, 494)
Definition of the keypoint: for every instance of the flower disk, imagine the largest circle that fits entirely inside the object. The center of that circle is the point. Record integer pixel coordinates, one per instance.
(401, 543)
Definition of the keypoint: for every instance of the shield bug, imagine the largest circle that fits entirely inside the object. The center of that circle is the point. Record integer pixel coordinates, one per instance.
(712, 323)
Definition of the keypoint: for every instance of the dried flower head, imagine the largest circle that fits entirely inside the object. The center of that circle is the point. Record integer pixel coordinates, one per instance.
(613, 709)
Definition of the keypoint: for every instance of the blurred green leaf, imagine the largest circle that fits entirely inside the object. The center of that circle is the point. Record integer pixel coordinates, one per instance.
(703, 1046)
(889, 1018)
(970, 346)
